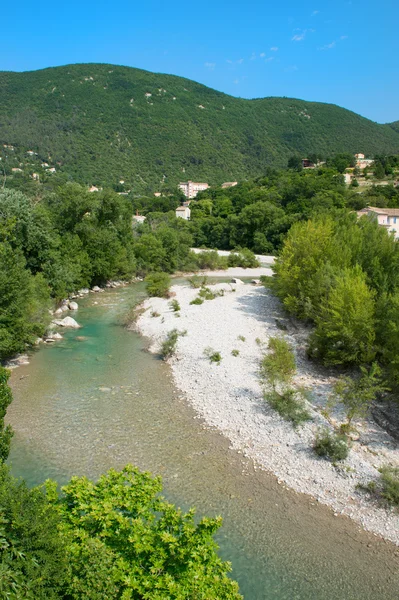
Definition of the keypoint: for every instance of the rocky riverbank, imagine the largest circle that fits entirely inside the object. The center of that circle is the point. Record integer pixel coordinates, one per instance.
(229, 397)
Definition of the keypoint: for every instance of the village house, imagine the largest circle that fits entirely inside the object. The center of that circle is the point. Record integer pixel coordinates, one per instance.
(183, 212)
(191, 188)
(362, 162)
(386, 217)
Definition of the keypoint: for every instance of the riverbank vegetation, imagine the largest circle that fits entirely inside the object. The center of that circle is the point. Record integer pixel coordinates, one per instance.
(114, 538)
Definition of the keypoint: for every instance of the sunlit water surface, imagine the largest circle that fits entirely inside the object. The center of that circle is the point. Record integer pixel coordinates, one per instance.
(97, 400)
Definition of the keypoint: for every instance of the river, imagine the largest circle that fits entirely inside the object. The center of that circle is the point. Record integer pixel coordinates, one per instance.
(98, 399)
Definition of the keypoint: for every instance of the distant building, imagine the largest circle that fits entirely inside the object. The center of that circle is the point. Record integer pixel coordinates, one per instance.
(228, 184)
(307, 164)
(362, 162)
(386, 217)
(348, 178)
(183, 212)
(191, 188)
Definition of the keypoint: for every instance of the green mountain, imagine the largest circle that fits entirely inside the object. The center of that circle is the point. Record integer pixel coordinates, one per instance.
(395, 126)
(99, 124)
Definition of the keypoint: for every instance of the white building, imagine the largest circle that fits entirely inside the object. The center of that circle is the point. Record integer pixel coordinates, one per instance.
(183, 212)
(386, 217)
(191, 188)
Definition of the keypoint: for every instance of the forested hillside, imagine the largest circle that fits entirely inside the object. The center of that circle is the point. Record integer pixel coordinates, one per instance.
(102, 124)
(395, 126)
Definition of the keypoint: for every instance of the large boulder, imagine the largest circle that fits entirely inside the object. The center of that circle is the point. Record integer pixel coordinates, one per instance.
(73, 306)
(95, 288)
(67, 322)
(236, 280)
(83, 291)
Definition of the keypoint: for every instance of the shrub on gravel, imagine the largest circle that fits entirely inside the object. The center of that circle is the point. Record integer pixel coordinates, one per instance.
(235, 352)
(158, 284)
(290, 405)
(213, 355)
(174, 305)
(387, 487)
(278, 366)
(197, 300)
(331, 445)
(168, 346)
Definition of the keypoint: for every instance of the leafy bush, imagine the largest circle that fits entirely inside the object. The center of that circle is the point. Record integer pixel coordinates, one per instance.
(278, 366)
(235, 352)
(197, 281)
(358, 393)
(207, 294)
(241, 338)
(331, 445)
(158, 284)
(168, 346)
(386, 488)
(197, 300)
(174, 305)
(243, 258)
(289, 404)
(213, 355)
(390, 484)
(210, 260)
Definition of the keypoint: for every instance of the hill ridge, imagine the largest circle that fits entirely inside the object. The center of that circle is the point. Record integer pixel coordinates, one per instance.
(102, 123)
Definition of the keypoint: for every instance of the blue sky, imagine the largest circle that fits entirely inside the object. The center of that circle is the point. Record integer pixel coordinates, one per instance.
(338, 51)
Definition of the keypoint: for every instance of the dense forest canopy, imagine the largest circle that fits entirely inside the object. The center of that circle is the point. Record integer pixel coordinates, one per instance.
(105, 124)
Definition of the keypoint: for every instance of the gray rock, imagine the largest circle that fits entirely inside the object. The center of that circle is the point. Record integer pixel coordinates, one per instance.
(236, 280)
(67, 322)
(96, 289)
(73, 306)
(83, 291)
(59, 311)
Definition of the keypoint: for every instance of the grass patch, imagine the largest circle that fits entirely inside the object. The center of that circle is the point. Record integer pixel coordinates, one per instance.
(197, 300)
(154, 313)
(290, 405)
(213, 355)
(174, 305)
(241, 338)
(235, 352)
(331, 445)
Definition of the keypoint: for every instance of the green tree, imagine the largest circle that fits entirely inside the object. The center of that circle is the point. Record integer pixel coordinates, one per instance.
(126, 541)
(6, 432)
(345, 332)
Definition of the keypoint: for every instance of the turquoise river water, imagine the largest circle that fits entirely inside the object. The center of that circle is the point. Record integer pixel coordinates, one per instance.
(98, 399)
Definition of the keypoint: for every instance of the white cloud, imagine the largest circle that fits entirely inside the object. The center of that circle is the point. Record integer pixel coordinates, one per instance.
(210, 65)
(314, 13)
(240, 61)
(236, 81)
(343, 37)
(328, 46)
(274, 49)
(269, 59)
(291, 69)
(253, 56)
(262, 54)
(298, 37)
(230, 62)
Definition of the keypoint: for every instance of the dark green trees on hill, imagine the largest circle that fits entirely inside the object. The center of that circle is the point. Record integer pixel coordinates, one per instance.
(103, 124)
